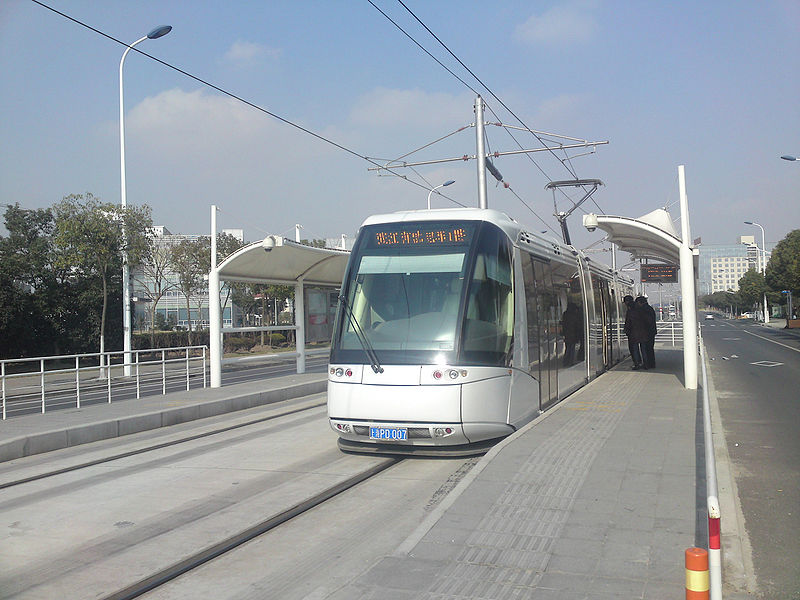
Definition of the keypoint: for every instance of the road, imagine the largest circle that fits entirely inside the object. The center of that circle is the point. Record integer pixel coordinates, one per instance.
(756, 374)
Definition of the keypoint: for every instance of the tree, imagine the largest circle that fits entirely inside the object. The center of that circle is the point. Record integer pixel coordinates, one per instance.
(783, 269)
(226, 245)
(26, 278)
(189, 262)
(752, 288)
(153, 275)
(91, 237)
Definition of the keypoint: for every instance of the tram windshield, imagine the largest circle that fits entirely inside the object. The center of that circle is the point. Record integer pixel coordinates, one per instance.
(428, 293)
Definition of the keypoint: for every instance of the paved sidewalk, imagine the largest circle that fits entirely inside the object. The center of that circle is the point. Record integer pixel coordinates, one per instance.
(598, 498)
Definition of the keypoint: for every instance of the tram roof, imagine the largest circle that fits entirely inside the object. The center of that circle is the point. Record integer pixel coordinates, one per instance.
(279, 260)
(511, 227)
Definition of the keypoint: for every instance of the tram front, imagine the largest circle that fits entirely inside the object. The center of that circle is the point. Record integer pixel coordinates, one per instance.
(421, 350)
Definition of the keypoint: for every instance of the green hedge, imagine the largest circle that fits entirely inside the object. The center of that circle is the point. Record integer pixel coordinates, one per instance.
(169, 339)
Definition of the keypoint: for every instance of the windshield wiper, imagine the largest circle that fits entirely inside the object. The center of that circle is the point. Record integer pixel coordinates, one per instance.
(362, 338)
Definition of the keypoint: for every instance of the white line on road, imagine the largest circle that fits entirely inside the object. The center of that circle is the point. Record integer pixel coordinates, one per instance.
(769, 340)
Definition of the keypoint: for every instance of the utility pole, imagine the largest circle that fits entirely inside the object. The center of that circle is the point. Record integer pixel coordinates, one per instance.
(480, 153)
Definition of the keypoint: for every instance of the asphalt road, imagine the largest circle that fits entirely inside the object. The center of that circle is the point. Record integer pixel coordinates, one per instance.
(756, 374)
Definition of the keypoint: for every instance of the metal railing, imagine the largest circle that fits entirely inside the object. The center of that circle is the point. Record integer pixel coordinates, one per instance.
(669, 332)
(712, 494)
(46, 382)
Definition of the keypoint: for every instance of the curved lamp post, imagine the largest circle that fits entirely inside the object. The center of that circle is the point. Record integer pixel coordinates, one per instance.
(446, 183)
(126, 286)
(789, 157)
(762, 264)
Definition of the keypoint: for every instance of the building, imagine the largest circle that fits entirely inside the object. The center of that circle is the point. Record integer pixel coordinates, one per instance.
(722, 266)
(172, 304)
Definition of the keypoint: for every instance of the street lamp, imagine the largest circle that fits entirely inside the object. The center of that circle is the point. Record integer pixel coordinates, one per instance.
(763, 264)
(789, 157)
(126, 285)
(446, 183)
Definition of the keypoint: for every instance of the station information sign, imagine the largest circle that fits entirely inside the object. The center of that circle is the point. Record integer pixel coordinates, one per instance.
(659, 273)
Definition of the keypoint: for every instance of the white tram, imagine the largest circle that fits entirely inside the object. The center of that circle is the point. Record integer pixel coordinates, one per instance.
(456, 327)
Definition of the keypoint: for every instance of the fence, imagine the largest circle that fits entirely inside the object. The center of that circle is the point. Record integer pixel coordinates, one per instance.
(53, 385)
(669, 333)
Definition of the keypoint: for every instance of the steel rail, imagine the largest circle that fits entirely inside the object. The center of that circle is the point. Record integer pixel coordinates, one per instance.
(159, 446)
(215, 550)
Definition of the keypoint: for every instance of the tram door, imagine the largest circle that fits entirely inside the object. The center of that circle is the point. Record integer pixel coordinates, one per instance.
(548, 311)
(602, 304)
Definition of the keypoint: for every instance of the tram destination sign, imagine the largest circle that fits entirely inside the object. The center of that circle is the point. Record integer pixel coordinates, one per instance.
(659, 273)
(426, 235)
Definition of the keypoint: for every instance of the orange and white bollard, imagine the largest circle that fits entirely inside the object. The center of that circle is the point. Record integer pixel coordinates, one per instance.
(696, 574)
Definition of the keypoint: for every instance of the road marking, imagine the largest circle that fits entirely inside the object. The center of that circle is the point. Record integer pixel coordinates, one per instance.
(766, 363)
(769, 340)
(732, 339)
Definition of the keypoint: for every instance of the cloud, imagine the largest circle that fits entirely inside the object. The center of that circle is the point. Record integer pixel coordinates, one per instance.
(387, 108)
(565, 23)
(247, 53)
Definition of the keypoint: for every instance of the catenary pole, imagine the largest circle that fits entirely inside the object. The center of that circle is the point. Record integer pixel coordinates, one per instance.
(480, 153)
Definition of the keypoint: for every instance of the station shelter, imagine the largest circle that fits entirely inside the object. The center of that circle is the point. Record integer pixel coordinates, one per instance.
(315, 273)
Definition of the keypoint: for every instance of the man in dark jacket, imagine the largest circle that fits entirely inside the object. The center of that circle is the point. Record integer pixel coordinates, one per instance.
(649, 353)
(636, 330)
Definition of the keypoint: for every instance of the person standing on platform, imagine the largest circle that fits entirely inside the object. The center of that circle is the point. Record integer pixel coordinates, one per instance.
(636, 330)
(572, 330)
(649, 355)
(632, 347)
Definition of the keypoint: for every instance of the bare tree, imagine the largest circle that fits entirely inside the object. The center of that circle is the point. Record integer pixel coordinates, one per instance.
(154, 277)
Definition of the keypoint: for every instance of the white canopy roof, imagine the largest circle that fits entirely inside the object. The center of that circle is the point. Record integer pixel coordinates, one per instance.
(651, 236)
(282, 261)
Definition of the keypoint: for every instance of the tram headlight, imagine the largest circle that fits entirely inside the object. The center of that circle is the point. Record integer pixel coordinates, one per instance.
(442, 431)
(339, 371)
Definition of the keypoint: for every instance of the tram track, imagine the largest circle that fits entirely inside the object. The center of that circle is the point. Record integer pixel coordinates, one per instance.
(158, 446)
(208, 554)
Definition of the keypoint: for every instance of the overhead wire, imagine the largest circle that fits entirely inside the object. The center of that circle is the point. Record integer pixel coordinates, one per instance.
(223, 91)
(488, 89)
(468, 86)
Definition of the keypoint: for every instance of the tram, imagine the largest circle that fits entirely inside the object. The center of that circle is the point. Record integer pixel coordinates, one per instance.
(455, 327)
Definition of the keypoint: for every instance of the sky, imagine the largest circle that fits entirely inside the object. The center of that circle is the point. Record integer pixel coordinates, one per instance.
(710, 85)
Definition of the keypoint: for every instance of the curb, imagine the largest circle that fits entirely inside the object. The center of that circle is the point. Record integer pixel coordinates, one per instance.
(57, 439)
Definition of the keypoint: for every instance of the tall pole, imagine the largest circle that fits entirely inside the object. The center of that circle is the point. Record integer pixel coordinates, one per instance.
(214, 309)
(688, 295)
(480, 153)
(446, 183)
(762, 263)
(126, 283)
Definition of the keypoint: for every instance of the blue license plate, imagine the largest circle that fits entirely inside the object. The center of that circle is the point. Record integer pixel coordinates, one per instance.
(394, 434)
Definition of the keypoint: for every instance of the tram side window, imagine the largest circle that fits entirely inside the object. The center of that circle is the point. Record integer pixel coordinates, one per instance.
(489, 318)
(567, 283)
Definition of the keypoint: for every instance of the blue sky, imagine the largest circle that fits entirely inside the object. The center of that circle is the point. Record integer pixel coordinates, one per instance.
(710, 85)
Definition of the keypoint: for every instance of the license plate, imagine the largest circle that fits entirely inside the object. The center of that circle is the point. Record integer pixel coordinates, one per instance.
(388, 433)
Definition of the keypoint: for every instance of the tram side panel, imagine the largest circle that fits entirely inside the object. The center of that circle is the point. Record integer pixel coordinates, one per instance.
(524, 399)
